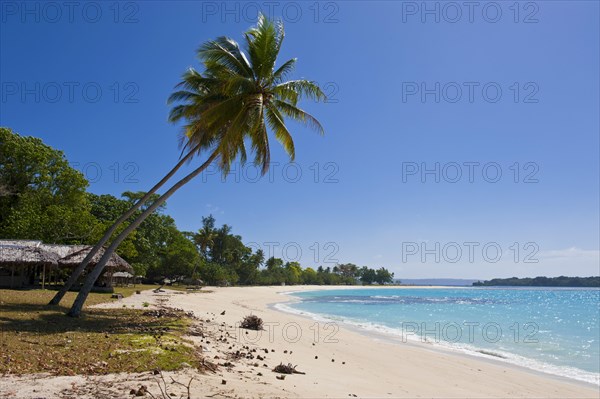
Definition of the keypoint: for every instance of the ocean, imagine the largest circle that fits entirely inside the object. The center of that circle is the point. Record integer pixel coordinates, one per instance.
(552, 330)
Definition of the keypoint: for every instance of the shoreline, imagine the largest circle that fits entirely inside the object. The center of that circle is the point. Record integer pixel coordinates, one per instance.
(394, 338)
(357, 364)
(352, 364)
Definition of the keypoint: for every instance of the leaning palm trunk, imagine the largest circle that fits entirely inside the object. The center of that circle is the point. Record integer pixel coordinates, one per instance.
(77, 272)
(93, 276)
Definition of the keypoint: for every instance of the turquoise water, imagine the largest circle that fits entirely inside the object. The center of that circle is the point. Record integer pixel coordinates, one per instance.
(554, 330)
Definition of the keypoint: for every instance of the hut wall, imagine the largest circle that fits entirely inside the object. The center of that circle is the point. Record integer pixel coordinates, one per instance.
(19, 279)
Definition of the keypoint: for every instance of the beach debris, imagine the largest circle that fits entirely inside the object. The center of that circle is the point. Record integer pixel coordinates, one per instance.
(285, 351)
(316, 357)
(209, 366)
(489, 353)
(141, 391)
(223, 313)
(259, 374)
(252, 322)
(287, 369)
(167, 312)
(280, 377)
(343, 362)
(117, 296)
(223, 382)
(332, 360)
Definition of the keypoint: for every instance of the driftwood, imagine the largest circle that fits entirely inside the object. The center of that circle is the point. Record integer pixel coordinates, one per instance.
(287, 369)
(159, 289)
(164, 389)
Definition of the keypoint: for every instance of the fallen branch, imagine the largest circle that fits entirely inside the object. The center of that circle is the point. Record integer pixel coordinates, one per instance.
(189, 396)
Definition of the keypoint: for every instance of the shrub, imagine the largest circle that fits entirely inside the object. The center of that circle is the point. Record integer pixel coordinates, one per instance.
(252, 322)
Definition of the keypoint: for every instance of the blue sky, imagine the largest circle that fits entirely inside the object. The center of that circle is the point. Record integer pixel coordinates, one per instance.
(498, 102)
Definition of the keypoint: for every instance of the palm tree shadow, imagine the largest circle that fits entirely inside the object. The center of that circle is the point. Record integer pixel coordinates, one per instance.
(43, 319)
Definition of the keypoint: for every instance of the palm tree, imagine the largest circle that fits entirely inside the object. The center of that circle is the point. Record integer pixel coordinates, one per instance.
(110, 231)
(205, 237)
(239, 97)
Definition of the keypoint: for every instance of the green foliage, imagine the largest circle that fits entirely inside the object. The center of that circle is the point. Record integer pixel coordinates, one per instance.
(310, 276)
(383, 276)
(41, 196)
(134, 196)
(276, 273)
(367, 276)
(157, 249)
(180, 258)
(226, 259)
(107, 209)
(216, 274)
(562, 281)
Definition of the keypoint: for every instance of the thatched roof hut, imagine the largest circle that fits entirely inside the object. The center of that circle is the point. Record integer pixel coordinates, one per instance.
(115, 262)
(24, 262)
(21, 262)
(19, 255)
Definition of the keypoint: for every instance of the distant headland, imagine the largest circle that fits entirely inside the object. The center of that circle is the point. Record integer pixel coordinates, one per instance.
(562, 281)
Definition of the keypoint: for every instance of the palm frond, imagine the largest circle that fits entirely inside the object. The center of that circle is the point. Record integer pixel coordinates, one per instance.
(276, 123)
(293, 112)
(304, 88)
(226, 52)
(263, 43)
(283, 71)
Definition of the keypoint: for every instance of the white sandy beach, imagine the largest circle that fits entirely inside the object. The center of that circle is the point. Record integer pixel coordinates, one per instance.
(349, 363)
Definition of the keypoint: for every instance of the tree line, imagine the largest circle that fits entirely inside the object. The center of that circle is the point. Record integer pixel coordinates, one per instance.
(43, 198)
(562, 281)
(226, 260)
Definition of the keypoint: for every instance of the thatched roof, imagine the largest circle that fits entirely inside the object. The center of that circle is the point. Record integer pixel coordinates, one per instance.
(115, 262)
(62, 250)
(28, 252)
(122, 274)
(26, 255)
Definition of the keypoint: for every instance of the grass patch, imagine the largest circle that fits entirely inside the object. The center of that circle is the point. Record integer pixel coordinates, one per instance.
(38, 338)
